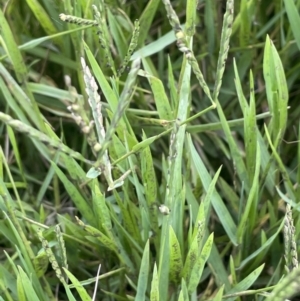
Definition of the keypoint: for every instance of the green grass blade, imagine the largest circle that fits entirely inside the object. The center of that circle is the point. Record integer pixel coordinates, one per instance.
(177, 193)
(143, 275)
(193, 251)
(32, 132)
(276, 88)
(219, 295)
(219, 206)
(27, 286)
(191, 9)
(164, 260)
(146, 20)
(79, 288)
(245, 23)
(155, 46)
(108, 92)
(197, 269)
(184, 295)
(265, 246)
(43, 18)
(250, 131)
(100, 209)
(61, 247)
(16, 151)
(281, 86)
(12, 49)
(149, 177)
(251, 205)
(83, 207)
(175, 257)
(102, 238)
(239, 90)
(122, 106)
(154, 293)
(161, 99)
(246, 282)
(234, 150)
(20, 289)
(69, 293)
(294, 19)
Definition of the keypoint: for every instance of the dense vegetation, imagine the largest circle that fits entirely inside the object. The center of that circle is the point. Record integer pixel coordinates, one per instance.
(149, 150)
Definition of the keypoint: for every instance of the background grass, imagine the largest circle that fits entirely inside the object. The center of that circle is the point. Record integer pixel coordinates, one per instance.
(168, 155)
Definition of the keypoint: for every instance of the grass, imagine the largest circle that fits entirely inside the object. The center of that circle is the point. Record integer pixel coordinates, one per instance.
(149, 150)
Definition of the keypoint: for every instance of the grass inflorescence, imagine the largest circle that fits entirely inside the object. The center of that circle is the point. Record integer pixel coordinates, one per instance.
(157, 140)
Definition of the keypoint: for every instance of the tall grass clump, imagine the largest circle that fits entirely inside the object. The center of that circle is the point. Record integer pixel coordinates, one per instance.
(149, 150)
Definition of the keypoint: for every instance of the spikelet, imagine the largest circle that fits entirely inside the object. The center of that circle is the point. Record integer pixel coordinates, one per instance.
(76, 20)
(80, 116)
(290, 246)
(183, 47)
(132, 46)
(51, 257)
(224, 47)
(61, 247)
(33, 133)
(103, 35)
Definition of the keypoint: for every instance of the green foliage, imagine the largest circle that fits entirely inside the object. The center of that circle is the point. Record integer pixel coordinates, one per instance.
(149, 151)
